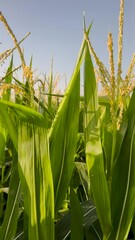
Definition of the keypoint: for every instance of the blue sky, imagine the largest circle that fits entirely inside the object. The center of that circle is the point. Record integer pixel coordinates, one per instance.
(56, 28)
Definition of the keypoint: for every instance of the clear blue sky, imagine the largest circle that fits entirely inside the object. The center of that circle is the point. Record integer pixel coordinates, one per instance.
(56, 28)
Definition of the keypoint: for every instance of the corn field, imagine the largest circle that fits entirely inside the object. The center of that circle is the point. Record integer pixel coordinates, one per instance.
(67, 162)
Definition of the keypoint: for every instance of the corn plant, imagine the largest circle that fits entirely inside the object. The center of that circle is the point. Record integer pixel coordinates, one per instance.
(39, 152)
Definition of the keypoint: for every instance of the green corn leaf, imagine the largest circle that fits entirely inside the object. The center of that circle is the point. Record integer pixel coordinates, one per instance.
(133, 225)
(21, 112)
(9, 225)
(123, 181)
(63, 141)
(34, 168)
(76, 217)
(107, 138)
(3, 138)
(94, 155)
(8, 80)
(83, 177)
(63, 135)
(94, 232)
(11, 126)
(36, 180)
(63, 227)
(48, 114)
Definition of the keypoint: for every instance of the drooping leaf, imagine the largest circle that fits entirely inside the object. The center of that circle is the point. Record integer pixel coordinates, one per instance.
(34, 167)
(48, 114)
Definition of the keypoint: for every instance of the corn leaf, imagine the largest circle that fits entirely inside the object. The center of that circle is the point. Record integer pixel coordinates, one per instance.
(76, 217)
(63, 144)
(11, 126)
(3, 138)
(123, 181)
(48, 114)
(8, 80)
(63, 227)
(63, 135)
(36, 180)
(9, 225)
(34, 168)
(107, 138)
(94, 155)
(94, 232)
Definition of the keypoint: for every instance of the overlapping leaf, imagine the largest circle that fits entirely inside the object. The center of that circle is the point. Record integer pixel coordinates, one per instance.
(63, 135)
(34, 167)
(94, 155)
(123, 181)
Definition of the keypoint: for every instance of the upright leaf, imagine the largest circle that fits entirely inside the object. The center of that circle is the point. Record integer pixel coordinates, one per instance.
(36, 180)
(94, 155)
(63, 227)
(63, 135)
(3, 139)
(123, 181)
(8, 80)
(63, 143)
(76, 217)
(9, 225)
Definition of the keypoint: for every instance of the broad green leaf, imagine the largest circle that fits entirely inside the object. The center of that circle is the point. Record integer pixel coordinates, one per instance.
(63, 141)
(94, 155)
(21, 112)
(123, 181)
(34, 167)
(76, 217)
(63, 135)
(36, 180)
